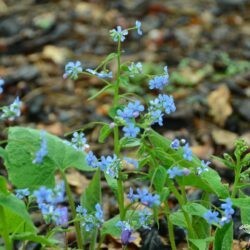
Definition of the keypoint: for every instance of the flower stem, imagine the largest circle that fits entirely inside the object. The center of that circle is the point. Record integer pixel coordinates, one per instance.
(120, 191)
(170, 227)
(5, 233)
(73, 211)
(93, 239)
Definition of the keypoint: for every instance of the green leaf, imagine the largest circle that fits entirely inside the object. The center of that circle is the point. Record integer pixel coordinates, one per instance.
(3, 153)
(178, 219)
(3, 185)
(16, 215)
(112, 182)
(104, 133)
(195, 209)
(126, 142)
(201, 244)
(28, 236)
(224, 237)
(209, 181)
(92, 194)
(23, 143)
(159, 178)
(241, 202)
(100, 92)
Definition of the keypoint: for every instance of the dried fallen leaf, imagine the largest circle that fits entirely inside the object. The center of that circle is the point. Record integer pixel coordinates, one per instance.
(77, 180)
(56, 54)
(224, 137)
(219, 104)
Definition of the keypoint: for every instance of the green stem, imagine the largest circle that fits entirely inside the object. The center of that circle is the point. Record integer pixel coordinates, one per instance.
(170, 227)
(93, 240)
(73, 211)
(237, 177)
(5, 234)
(120, 191)
(182, 202)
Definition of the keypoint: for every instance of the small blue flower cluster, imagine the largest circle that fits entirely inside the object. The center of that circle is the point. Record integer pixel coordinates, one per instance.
(187, 152)
(212, 217)
(128, 115)
(49, 200)
(159, 82)
(78, 141)
(89, 221)
(144, 196)
(43, 150)
(13, 111)
(119, 35)
(177, 171)
(21, 193)
(160, 105)
(145, 217)
(2, 82)
(109, 165)
(134, 69)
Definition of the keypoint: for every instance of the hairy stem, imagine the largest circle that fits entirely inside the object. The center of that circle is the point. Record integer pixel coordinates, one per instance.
(120, 191)
(73, 211)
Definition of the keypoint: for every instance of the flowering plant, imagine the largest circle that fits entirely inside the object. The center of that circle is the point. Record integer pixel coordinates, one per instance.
(165, 167)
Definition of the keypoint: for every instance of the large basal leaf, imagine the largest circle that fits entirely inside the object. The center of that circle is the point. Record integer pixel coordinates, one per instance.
(23, 143)
(224, 237)
(178, 219)
(201, 244)
(15, 213)
(92, 194)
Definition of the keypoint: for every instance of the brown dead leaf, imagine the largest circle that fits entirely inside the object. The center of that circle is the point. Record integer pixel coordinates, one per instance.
(56, 54)
(224, 138)
(77, 180)
(219, 104)
(55, 128)
(203, 151)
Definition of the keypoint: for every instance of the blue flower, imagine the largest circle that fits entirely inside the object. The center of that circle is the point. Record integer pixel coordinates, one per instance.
(156, 116)
(126, 234)
(43, 195)
(167, 103)
(92, 160)
(130, 130)
(21, 193)
(132, 110)
(227, 207)
(110, 165)
(211, 217)
(131, 196)
(118, 34)
(13, 111)
(59, 192)
(72, 70)
(175, 144)
(187, 154)
(147, 198)
(89, 223)
(175, 171)
(2, 82)
(78, 140)
(81, 210)
(144, 218)
(138, 27)
(135, 69)
(158, 82)
(60, 216)
(203, 167)
(99, 213)
(43, 151)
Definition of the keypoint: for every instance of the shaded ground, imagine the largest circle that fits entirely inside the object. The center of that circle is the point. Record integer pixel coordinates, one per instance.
(206, 45)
